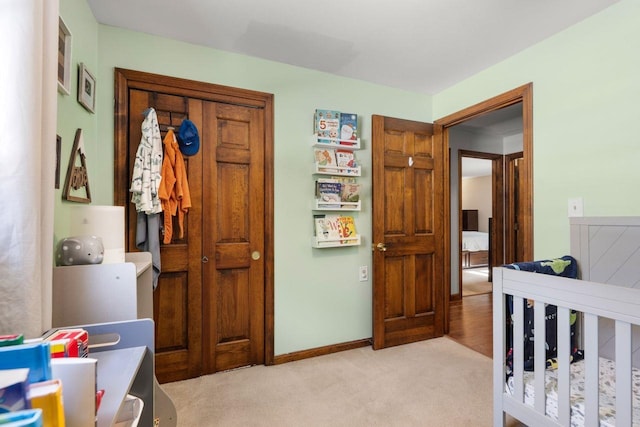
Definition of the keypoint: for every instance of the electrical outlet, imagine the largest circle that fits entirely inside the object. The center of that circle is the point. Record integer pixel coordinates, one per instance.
(364, 273)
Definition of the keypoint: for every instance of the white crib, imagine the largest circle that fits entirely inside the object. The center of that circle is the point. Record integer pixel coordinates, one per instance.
(608, 253)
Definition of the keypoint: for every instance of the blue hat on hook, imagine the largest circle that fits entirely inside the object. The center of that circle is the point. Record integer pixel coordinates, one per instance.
(188, 139)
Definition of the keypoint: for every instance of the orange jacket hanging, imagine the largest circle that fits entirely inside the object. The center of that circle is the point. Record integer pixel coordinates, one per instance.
(174, 188)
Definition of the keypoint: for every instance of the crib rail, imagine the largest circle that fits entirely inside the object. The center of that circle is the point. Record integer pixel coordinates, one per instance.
(594, 300)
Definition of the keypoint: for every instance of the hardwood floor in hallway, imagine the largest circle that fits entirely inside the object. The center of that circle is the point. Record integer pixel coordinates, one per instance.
(471, 323)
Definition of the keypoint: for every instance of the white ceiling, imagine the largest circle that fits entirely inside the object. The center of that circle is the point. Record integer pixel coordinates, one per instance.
(473, 168)
(423, 46)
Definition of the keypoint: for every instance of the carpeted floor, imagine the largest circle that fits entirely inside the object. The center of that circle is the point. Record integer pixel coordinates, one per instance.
(429, 383)
(474, 281)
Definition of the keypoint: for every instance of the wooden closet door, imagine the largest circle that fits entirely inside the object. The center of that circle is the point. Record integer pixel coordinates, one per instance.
(213, 306)
(177, 300)
(233, 236)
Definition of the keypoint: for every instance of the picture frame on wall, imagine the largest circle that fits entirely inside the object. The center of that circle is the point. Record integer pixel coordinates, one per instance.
(58, 153)
(64, 58)
(86, 88)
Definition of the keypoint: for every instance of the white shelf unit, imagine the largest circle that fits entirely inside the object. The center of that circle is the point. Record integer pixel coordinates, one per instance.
(340, 243)
(114, 294)
(337, 170)
(97, 293)
(343, 144)
(125, 354)
(319, 205)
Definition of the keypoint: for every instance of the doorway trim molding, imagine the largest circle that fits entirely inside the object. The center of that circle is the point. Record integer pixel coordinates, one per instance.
(522, 94)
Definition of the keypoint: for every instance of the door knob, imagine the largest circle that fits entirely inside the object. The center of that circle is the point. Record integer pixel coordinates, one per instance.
(381, 247)
(255, 255)
(205, 259)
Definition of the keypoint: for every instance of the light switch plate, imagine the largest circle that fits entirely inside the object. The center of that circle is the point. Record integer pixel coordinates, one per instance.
(576, 207)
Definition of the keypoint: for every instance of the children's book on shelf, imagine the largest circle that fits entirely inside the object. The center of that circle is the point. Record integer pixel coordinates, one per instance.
(347, 227)
(329, 192)
(348, 127)
(327, 228)
(349, 187)
(346, 159)
(35, 356)
(350, 192)
(47, 395)
(14, 386)
(327, 125)
(23, 418)
(325, 158)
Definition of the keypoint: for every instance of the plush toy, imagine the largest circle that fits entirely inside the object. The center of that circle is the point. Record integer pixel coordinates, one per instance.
(80, 250)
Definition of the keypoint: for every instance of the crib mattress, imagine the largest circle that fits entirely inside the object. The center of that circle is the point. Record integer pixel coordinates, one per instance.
(607, 393)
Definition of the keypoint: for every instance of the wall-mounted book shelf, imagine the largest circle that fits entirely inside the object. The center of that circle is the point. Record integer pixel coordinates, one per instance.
(319, 205)
(317, 242)
(350, 144)
(334, 145)
(322, 169)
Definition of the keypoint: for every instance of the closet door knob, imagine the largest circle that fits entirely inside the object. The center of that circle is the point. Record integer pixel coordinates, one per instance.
(255, 255)
(205, 259)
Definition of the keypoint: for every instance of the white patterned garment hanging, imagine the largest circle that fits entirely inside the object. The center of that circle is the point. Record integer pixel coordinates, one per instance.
(147, 167)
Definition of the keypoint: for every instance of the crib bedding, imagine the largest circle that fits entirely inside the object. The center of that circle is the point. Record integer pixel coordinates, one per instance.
(607, 393)
(473, 241)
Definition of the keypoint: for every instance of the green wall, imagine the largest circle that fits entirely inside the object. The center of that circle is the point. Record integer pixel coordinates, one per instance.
(585, 108)
(585, 88)
(318, 298)
(71, 115)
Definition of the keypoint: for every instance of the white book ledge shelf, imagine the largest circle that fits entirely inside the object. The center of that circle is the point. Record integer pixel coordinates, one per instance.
(345, 144)
(341, 243)
(337, 206)
(337, 170)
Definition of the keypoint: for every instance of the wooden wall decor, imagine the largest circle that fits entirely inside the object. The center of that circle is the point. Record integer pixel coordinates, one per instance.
(77, 176)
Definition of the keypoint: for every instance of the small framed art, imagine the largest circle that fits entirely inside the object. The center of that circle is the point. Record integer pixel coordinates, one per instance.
(64, 58)
(86, 88)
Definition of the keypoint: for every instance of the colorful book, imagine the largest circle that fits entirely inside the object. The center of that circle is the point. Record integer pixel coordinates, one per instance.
(7, 340)
(327, 125)
(347, 228)
(36, 357)
(346, 159)
(325, 159)
(328, 192)
(14, 384)
(350, 192)
(327, 228)
(69, 343)
(24, 418)
(348, 127)
(47, 395)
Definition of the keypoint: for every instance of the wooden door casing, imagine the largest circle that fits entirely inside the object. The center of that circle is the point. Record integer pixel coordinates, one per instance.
(524, 95)
(408, 204)
(497, 217)
(181, 297)
(514, 246)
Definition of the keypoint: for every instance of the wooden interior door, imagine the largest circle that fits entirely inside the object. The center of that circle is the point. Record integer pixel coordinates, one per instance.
(514, 243)
(213, 305)
(409, 231)
(233, 236)
(177, 297)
